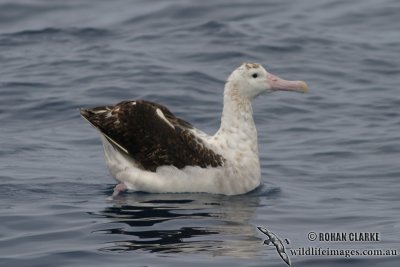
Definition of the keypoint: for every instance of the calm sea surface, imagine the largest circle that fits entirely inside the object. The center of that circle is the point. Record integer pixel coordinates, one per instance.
(330, 159)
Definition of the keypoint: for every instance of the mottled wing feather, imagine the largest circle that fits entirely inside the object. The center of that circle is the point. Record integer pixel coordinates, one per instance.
(168, 114)
(137, 129)
(86, 114)
(204, 156)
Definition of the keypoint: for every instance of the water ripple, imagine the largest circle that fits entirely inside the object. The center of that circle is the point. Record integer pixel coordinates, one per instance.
(329, 159)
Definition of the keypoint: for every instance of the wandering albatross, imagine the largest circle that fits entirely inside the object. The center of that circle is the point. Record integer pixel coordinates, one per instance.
(147, 148)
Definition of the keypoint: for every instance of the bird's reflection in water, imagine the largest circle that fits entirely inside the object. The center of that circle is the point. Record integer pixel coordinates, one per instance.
(177, 223)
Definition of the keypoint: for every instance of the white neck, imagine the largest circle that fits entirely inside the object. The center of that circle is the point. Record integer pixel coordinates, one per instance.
(237, 124)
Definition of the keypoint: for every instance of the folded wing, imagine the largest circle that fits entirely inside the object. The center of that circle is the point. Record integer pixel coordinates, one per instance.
(151, 135)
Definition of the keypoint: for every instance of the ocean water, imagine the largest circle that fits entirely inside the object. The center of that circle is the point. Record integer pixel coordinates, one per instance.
(330, 159)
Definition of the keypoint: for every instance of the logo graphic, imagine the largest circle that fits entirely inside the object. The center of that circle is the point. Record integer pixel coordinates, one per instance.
(274, 240)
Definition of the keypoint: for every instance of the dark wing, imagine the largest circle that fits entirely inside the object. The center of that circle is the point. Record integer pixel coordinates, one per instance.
(151, 135)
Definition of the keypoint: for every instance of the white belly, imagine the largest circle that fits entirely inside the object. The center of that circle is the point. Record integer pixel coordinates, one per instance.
(230, 179)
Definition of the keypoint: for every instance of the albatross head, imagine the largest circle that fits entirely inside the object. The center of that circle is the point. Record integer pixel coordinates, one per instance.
(251, 80)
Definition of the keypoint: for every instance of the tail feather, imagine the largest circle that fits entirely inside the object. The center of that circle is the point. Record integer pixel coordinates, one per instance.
(93, 116)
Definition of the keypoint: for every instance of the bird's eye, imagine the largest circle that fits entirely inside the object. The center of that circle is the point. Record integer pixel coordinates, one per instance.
(255, 75)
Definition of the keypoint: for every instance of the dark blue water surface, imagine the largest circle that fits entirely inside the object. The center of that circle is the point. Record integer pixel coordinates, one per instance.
(330, 159)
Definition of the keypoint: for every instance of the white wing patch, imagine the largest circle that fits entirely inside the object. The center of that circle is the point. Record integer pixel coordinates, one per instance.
(161, 115)
(100, 111)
